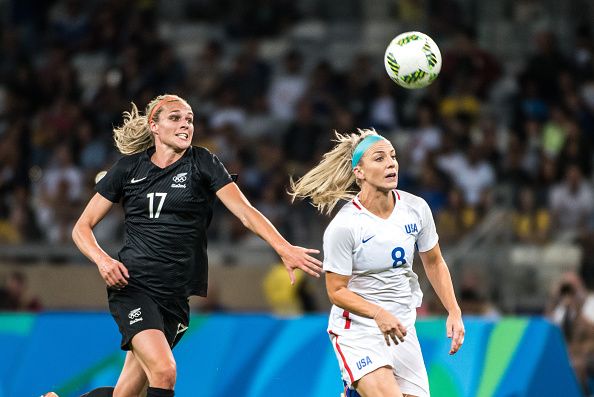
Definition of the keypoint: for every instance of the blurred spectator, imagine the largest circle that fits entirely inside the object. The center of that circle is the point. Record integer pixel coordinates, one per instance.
(514, 173)
(358, 88)
(282, 297)
(382, 108)
(324, 85)
(531, 224)
(455, 219)
(465, 59)
(576, 149)
(302, 140)
(547, 176)
(473, 292)
(460, 100)
(228, 110)
(584, 363)
(554, 132)
(449, 159)
(273, 207)
(91, 148)
(571, 307)
(70, 22)
(545, 65)
(474, 176)
(432, 187)
(565, 303)
(206, 73)
(572, 204)
(260, 18)
(259, 122)
(530, 103)
(59, 196)
(13, 168)
(583, 53)
(426, 135)
(20, 225)
(587, 263)
(249, 74)
(14, 295)
(580, 114)
(167, 73)
(288, 86)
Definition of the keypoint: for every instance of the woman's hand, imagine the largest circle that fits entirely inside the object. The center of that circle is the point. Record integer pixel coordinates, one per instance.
(295, 257)
(455, 331)
(390, 326)
(292, 256)
(113, 272)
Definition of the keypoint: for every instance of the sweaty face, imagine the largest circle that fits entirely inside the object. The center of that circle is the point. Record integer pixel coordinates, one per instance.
(378, 167)
(175, 126)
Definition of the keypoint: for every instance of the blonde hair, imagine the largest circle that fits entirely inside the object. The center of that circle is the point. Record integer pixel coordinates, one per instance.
(332, 179)
(135, 135)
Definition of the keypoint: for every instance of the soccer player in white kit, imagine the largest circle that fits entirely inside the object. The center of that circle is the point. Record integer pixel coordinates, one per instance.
(368, 255)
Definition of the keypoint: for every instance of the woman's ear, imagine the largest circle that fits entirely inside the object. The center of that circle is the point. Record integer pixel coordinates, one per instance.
(359, 174)
(153, 127)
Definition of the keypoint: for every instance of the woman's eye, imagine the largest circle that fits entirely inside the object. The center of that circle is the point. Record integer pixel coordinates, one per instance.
(174, 118)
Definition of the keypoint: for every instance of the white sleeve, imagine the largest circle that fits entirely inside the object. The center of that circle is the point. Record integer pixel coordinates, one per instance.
(427, 238)
(338, 249)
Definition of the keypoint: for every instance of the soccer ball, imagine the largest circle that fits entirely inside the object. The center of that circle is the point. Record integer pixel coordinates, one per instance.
(412, 60)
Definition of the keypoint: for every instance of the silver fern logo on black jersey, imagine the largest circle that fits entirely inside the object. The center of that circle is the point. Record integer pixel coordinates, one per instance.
(179, 180)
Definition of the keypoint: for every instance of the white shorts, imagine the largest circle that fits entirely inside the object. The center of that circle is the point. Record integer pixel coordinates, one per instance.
(361, 353)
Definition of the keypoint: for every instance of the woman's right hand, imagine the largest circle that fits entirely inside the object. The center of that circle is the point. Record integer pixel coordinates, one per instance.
(113, 272)
(390, 326)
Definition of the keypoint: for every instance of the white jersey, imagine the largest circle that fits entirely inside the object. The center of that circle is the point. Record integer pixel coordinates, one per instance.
(378, 255)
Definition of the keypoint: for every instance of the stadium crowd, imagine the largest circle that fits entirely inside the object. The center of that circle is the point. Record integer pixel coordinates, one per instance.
(466, 141)
(484, 135)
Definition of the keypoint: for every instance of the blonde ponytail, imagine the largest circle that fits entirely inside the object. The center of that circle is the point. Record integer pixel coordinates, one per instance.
(332, 179)
(135, 135)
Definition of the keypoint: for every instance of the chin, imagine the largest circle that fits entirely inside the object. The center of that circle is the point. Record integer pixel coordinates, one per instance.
(388, 188)
(182, 146)
(392, 185)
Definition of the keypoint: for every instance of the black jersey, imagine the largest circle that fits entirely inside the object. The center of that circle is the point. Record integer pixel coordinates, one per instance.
(167, 211)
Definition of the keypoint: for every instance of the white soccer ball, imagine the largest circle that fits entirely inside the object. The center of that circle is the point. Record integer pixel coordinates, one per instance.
(412, 60)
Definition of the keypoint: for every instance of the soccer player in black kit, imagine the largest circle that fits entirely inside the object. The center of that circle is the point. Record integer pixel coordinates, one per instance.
(167, 188)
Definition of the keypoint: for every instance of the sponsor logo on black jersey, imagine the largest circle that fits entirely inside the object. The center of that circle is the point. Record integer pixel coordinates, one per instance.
(179, 180)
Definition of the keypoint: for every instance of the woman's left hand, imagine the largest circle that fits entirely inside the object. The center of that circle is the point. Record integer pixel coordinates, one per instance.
(455, 331)
(295, 257)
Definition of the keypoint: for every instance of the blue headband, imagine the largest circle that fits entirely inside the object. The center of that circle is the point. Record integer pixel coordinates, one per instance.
(362, 147)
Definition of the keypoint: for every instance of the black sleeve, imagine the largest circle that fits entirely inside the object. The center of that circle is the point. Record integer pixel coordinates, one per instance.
(213, 170)
(112, 184)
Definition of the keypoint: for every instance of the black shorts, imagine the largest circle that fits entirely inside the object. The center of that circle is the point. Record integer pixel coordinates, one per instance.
(134, 311)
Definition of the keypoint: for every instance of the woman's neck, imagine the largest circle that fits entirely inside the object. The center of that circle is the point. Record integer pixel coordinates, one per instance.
(377, 202)
(164, 156)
